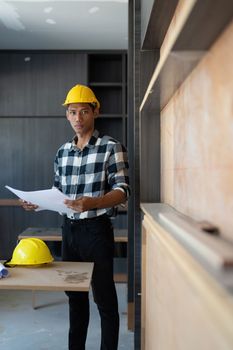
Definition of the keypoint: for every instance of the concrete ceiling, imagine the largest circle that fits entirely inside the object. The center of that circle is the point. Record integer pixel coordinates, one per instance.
(63, 25)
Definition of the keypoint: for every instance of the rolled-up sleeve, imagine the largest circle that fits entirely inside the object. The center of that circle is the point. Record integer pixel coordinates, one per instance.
(118, 169)
(56, 181)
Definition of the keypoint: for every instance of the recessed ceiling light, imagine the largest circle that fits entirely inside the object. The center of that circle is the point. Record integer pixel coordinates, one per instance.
(93, 9)
(10, 17)
(50, 21)
(27, 59)
(48, 9)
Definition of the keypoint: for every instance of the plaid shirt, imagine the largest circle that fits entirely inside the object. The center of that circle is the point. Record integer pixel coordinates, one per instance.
(100, 167)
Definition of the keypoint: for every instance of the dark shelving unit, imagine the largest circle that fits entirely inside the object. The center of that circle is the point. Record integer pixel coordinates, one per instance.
(107, 77)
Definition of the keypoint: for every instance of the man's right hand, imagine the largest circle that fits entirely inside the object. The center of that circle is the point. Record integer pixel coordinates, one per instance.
(27, 205)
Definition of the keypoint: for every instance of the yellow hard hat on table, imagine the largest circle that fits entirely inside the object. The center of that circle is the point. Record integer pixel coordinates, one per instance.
(30, 251)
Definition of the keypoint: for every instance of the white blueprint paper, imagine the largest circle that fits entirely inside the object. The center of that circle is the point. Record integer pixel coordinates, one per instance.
(51, 199)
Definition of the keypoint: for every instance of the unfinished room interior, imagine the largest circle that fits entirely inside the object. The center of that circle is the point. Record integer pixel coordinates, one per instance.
(116, 196)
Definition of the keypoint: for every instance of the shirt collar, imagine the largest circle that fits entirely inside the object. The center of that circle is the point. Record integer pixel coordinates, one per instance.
(91, 143)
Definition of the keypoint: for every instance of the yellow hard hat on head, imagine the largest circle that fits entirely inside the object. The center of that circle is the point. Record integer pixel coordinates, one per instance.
(30, 251)
(81, 94)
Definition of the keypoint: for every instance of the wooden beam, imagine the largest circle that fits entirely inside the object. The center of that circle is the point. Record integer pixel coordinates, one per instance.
(10, 203)
(158, 23)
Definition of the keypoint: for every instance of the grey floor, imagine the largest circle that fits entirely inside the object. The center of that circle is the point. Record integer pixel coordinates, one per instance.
(46, 328)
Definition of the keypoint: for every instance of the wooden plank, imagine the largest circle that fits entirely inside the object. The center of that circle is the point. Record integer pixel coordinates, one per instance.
(181, 14)
(171, 274)
(55, 234)
(10, 203)
(158, 23)
(153, 211)
(213, 249)
(120, 235)
(44, 233)
(187, 39)
(57, 276)
(120, 277)
(143, 285)
(205, 23)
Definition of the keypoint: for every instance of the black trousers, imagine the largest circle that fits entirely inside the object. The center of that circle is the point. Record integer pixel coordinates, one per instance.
(92, 240)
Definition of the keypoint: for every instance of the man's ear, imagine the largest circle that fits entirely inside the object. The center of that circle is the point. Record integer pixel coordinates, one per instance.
(96, 112)
(67, 114)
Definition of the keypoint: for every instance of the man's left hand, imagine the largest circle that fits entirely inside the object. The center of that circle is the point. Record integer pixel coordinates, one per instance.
(81, 204)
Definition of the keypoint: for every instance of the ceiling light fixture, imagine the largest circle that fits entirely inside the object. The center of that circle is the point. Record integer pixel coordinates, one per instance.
(10, 17)
(48, 9)
(50, 21)
(93, 9)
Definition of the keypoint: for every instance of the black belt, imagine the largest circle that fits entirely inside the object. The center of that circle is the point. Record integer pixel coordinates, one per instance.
(78, 221)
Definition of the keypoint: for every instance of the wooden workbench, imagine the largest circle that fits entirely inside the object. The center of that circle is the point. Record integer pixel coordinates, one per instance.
(56, 276)
(54, 234)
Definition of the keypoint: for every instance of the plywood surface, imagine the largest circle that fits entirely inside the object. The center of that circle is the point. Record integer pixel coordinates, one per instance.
(58, 276)
(182, 306)
(197, 140)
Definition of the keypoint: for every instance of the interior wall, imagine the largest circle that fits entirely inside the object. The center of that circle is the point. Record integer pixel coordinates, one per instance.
(33, 125)
(197, 140)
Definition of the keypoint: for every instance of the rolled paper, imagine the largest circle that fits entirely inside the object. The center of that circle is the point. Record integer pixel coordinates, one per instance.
(3, 271)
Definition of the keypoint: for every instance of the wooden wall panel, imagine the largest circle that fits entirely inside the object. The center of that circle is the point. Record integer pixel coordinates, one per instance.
(182, 306)
(197, 140)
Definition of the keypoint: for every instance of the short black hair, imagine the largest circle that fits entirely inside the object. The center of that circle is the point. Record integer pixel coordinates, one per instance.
(93, 105)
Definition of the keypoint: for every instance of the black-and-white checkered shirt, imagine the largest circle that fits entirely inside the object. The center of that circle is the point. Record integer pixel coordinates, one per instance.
(101, 166)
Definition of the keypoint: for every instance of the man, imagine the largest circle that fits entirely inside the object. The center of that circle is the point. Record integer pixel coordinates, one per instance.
(93, 170)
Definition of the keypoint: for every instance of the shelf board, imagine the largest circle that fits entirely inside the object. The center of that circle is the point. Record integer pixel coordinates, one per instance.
(8, 202)
(211, 252)
(107, 115)
(122, 210)
(178, 66)
(181, 14)
(205, 23)
(23, 116)
(106, 84)
(120, 277)
(120, 235)
(158, 23)
(195, 26)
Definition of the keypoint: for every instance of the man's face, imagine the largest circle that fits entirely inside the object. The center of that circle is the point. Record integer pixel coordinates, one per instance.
(81, 117)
